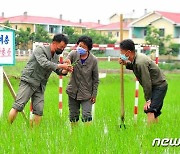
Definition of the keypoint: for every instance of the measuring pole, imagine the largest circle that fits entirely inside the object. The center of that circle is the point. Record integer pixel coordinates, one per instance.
(122, 77)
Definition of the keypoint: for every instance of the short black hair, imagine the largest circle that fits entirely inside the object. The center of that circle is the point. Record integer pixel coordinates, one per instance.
(86, 40)
(127, 44)
(60, 37)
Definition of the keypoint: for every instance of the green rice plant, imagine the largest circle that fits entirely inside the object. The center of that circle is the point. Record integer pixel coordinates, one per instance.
(104, 135)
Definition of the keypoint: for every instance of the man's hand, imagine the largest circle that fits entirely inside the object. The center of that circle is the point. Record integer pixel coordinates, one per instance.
(93, 99)
(67, 61)
(63, 66)
(66, 66)
(147, 105)
(122, 62)
(70, 68)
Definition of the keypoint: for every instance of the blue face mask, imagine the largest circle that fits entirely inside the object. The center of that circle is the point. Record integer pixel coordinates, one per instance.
(124, 57)
(81, 50)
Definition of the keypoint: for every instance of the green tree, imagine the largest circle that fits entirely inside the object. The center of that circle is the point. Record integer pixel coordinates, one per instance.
(96, 37)
(41, 35)
(99, 38)
(154, 37)
(23, 38)
(72, 36)
(26, 37)
(7, 24)
(68, 30)
(174, 48)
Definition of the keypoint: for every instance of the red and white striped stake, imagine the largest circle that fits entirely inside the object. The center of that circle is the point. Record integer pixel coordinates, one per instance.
(60, 87)
(157, 56)
(136, 100)
(31, 112)
(93, 111)
(136, 92)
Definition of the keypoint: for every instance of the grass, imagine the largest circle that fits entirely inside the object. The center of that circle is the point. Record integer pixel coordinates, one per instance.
(108, 65)
(115, 65)
(14, 71)
(104, 135)
(170, 66)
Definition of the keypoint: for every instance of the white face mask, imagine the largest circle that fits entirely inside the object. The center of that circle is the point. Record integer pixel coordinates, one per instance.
(124, 57)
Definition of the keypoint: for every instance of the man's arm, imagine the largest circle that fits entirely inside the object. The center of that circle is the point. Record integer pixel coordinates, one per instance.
(95, 77)
(69, 58)
(41, 58)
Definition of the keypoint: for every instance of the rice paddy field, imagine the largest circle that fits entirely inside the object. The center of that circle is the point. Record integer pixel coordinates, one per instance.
(104, 135)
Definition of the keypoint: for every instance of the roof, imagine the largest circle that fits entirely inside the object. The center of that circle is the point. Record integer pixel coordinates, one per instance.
(170, 16)
(2, 18)
(114, 26)
(39, 20)
(175, 17)
(129, 15)
(91, 25)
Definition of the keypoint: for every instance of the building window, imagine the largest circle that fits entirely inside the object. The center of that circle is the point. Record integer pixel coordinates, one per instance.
(16, 26)
(145, 32)
(117, 34)
(51, 29)
(177, 32)
(138, 32)
(161, 32)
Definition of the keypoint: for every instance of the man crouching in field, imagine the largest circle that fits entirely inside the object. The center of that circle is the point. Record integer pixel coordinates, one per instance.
(149, 76)
(35, 75)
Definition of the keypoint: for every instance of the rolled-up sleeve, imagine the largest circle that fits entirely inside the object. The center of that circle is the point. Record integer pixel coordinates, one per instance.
(42, 59)
(71, 55)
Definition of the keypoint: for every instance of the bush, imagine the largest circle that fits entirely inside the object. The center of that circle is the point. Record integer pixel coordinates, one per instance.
(169, 66)
(174, 48)
(98, 53)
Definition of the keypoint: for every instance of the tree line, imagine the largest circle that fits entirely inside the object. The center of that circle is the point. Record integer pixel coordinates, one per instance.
(25, 38)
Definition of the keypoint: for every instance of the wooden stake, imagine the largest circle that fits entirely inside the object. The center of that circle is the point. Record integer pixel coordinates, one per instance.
(13, 92)
(122, 76)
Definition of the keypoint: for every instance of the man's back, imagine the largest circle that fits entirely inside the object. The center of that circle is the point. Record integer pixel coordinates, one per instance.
(145, 69)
